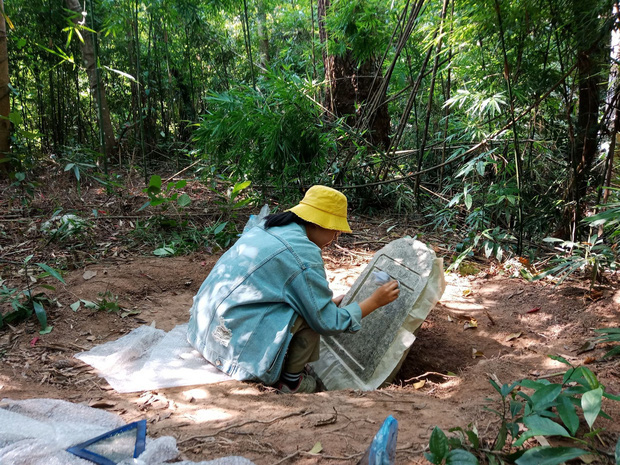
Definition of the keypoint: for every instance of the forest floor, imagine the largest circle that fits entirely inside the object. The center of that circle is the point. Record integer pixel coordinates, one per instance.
(443, 382)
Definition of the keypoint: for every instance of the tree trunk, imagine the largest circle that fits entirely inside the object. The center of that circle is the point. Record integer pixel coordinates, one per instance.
(263, 34)
(592, 33)
(350, 87)
(97, 89)
(5, 124)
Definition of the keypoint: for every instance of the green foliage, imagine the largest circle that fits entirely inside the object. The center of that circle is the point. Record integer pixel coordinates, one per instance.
(273, 134)
(228, 203)
(165, 251)
(359, 27)
(84, 164)
(165, 196)
(219, 235)
(478, 104)
(445, 451)
(21, 165)
(106, 301)
(24, 301)
(593, 256)
(609, 335)
(547, 409)
(224, 231)
(494, 243)
(68, 227)
(170, 236)
(609, 218)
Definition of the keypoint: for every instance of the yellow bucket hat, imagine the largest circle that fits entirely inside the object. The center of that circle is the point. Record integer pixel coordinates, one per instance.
(325, 207)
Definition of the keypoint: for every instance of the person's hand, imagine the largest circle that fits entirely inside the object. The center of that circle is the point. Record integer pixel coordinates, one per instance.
(385, 294)
(338, 299)
(382, 296)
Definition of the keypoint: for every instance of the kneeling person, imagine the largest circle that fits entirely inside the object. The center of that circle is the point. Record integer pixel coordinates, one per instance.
(259, 314)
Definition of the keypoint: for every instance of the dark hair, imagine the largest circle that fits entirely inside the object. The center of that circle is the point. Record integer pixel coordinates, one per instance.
(282, 219)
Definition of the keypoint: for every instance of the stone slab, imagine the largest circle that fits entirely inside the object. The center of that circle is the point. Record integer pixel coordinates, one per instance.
(361, 354)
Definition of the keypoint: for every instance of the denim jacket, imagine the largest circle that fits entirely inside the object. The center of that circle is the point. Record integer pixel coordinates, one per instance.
(242, 315)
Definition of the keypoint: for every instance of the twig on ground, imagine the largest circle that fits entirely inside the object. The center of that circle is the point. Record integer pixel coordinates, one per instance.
(239, 425)
(430, 373)
(288, 457)
(551, 375)
(349, 457)
(369, 242)
(328, 421)
(350, 252)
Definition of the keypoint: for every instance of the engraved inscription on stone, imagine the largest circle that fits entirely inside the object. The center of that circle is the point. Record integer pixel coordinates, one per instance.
(407, 261)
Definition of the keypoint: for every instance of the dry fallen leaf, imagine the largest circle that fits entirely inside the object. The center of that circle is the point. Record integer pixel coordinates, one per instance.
(316, 449)
(101, 404)
(513, 336)
(466, 292)
(595, 295)
(419, 384)
(586, 347)
(475, 353)
(588, 458)
(473, 323)
(88, 274)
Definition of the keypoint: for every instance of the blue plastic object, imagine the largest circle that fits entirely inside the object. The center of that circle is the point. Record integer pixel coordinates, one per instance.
(382, 450)
(82, 450)
(381, 277)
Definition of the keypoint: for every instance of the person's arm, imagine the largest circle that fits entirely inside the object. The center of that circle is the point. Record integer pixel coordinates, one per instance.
(382, 296)
(309, 294)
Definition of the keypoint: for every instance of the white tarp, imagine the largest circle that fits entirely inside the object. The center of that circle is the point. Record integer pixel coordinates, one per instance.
(38, 432)
(148, 358)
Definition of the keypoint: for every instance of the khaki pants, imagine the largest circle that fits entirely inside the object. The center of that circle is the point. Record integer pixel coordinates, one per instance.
(304, 347)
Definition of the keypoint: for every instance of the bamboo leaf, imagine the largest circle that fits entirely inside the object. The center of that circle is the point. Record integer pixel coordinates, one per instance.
(46, 330)
(121, 73)
(612, 352)
(557, 358)
(220, 228)
(40, 312)
(468, 201)
(51, 271)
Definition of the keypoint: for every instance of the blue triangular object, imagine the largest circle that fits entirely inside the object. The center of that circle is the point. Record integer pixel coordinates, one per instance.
(82, 450)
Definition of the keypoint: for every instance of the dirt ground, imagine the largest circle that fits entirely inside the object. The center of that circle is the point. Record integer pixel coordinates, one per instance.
(519, 323)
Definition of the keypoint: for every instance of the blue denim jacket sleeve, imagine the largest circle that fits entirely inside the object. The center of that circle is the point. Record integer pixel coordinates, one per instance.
(311, 296)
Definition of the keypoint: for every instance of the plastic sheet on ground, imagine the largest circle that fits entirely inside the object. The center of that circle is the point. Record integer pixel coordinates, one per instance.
(38, 432)
(148, 358)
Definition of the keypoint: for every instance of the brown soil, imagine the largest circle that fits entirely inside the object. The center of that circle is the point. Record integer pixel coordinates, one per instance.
(511, 341)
